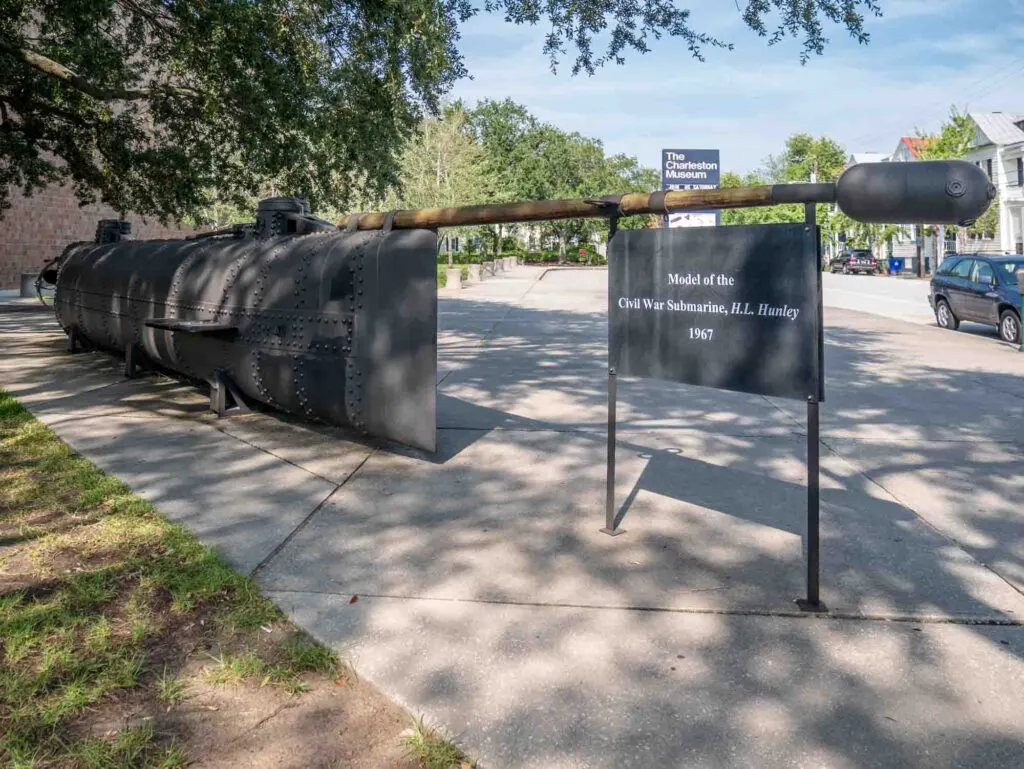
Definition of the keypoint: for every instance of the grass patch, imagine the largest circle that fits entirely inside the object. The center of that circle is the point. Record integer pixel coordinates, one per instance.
(170, 688)
(282, 666)
(99, 597)
(432, 750)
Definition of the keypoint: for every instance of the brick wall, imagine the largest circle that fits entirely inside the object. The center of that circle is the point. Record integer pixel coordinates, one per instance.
(38, 228)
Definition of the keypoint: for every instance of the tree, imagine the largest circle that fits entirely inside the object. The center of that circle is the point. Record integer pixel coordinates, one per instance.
(802, 156)
(955, 138)
(987, 225)
(556, 164)
(442, 167)
(625, 174)
(806, 157)
(501, 129)
(151, 104)
(789, 212)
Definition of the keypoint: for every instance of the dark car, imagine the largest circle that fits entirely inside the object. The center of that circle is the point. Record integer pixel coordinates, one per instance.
(978, 288)
(855, 260)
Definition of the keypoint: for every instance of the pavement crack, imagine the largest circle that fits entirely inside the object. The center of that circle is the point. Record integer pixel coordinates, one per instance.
(305, 521)
(226, 432)
(948, 537)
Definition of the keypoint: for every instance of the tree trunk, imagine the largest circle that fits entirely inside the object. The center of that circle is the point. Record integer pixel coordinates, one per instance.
(562, 237)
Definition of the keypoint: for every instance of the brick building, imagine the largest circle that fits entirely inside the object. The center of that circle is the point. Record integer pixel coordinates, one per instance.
(36, 229)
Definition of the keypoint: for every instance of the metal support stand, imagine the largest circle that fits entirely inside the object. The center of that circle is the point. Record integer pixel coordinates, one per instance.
(74, 345)
(812, 602)
(132, 354)
(218, 394)
(609, 500)
(610, 510)
(224, 395)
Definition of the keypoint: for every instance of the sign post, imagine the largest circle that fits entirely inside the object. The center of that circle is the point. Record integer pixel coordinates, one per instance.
(691, 170)
(610, 524)
(734, 308)
(812, 254)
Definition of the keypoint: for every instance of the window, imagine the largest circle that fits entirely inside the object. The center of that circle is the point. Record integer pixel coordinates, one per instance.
(983, 273)
(947, 265)
(1009, 271)
(988, 168)
(962, 269)
(1020, 172)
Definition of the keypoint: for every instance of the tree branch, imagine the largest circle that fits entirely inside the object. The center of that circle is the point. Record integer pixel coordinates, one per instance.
(54, 69)
(23, 107)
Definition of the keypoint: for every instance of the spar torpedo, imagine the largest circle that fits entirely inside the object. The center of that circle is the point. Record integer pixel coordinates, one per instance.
(338, 323)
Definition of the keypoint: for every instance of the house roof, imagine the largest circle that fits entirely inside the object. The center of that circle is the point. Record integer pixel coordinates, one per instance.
(999, 127)
(867, 157)
(915, 144)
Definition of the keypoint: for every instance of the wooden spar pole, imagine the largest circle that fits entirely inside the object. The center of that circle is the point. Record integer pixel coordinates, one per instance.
(579, 208)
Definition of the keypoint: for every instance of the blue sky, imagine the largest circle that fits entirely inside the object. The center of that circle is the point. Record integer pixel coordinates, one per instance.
(923, 56)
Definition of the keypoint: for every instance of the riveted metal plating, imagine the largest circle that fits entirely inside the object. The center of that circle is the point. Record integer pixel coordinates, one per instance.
(289, 320)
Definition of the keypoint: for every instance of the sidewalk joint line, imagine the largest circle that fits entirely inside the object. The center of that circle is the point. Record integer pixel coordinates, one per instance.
(948, 537)
(972, 620)
(302, 524)
(224, 431)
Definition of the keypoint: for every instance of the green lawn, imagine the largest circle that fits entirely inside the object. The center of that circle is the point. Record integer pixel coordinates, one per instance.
(102, 603)
(92, 584)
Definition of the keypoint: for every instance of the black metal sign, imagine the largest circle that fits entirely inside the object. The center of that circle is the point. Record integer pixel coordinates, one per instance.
(737, 308)
(734, 308)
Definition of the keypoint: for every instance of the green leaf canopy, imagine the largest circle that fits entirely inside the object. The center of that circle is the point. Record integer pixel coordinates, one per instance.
(157, 106)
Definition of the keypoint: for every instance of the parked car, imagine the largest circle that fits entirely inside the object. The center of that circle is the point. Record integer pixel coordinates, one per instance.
(978, 288)
(856, 260)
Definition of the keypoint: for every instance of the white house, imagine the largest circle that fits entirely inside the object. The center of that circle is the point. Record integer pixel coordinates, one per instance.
(999, 150)
(866, 157)
(904, 245)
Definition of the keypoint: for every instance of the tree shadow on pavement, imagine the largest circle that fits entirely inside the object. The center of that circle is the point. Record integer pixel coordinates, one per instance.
(488, 598)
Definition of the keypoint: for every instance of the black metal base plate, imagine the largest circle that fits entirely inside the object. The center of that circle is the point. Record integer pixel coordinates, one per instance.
(805, 605)
(612, 532)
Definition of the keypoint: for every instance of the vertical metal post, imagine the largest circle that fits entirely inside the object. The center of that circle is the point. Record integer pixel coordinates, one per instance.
(131, 365)
(218, 394)
(812, 252)
(813, 531)
(609, 500)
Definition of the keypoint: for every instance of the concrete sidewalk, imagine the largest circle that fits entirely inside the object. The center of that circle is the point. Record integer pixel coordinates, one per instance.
(488, 600)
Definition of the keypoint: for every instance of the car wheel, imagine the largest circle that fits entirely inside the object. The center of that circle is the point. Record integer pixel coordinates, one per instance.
(944, 316)
(1009, 326)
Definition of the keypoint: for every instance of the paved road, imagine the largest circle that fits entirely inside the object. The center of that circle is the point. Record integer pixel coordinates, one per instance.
(488, 600)
(899, 298)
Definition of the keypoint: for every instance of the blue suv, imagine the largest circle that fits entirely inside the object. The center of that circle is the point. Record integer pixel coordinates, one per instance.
(978, 288)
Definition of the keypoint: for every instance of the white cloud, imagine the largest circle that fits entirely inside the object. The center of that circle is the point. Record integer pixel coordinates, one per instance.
(749, 101)
(901, 10)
